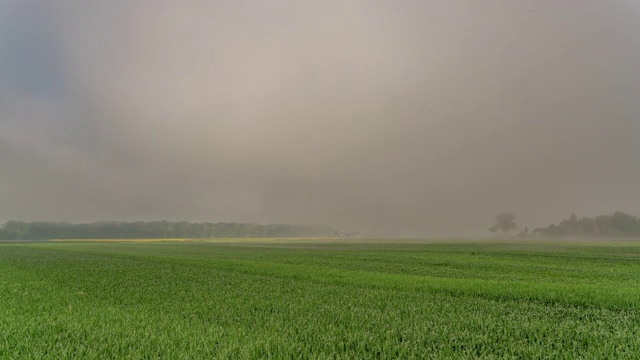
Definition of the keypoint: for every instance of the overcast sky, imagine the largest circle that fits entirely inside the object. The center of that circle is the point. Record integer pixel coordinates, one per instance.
(387, 117)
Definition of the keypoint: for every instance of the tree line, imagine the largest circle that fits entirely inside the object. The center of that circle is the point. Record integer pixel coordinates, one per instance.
(619, 224)
(44, 230)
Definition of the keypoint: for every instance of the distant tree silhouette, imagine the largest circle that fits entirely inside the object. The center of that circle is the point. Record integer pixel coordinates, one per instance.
(504, 222)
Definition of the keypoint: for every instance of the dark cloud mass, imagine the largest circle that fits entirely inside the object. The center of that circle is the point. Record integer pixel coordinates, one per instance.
(396, 118)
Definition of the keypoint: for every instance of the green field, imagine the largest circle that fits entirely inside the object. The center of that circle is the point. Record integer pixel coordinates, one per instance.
(320, 299)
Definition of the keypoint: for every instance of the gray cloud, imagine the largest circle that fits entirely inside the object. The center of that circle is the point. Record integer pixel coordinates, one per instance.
(393, 118)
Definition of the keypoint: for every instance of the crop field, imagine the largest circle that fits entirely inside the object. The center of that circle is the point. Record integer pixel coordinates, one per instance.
(320, 298)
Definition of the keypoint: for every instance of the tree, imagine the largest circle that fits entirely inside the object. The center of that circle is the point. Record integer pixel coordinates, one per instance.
(587, 226)
(603, 225)
(573, 224)
(623, 224)
(504, 222)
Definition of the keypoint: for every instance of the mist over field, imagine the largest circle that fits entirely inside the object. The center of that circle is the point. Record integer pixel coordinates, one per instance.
(394, 118)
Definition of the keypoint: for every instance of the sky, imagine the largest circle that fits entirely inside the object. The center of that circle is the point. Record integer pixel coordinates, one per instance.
(393, 118)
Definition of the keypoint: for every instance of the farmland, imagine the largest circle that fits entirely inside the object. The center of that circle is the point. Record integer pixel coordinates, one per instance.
(320, 298)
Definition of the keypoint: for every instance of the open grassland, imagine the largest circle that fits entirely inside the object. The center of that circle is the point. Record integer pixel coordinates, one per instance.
(320, 298)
